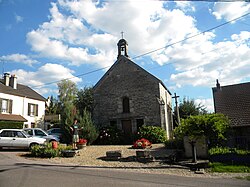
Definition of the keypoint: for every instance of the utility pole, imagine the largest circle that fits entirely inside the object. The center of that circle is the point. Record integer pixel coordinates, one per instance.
(177, 108)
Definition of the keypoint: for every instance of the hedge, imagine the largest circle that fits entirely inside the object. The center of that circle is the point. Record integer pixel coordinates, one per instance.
(11, 125)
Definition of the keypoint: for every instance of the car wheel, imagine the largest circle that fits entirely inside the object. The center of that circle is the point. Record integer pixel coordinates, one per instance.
(32, 144)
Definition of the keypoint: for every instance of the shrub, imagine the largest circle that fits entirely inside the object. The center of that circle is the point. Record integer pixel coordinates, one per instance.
(110, 135)
(227, 150)
(152, 133)
(213, 126)
(46, 151)
(11, 125)
(89, 130)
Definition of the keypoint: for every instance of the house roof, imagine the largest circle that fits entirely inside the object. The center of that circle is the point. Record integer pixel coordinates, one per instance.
(234, 102)
(12, 117)
(127, 59)
(22, 91)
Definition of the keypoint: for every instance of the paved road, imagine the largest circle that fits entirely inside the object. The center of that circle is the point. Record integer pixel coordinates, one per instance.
(19, 172)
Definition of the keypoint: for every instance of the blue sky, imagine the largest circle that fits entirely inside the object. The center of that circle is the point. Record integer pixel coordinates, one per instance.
(44, 41)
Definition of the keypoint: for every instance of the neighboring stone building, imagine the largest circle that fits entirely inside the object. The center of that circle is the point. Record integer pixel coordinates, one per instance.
(128, 96)
(234, 102)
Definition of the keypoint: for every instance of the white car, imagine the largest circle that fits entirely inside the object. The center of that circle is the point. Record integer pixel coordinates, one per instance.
(18, 138)
(37, 132)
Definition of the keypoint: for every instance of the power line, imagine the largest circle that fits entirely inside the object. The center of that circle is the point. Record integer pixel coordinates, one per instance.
(80, 75)
(191, 36)
(144, 54)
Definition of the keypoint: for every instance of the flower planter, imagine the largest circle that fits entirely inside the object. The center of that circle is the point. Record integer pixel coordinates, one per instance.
(68, 153)
(113, 155)
(143, 154)
(81, 146)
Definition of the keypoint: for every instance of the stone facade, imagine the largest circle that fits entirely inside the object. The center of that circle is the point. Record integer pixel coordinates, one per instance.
(128, 96)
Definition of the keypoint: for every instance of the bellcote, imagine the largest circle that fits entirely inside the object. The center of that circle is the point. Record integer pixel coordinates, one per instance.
(122, 48)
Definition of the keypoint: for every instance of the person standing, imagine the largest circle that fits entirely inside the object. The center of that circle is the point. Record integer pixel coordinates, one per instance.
(74, 129)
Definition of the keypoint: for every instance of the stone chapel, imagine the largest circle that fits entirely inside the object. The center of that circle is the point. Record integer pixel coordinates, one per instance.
(128, 96)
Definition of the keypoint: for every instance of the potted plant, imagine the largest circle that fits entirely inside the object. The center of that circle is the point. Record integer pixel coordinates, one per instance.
(142, 144)
(82, 143)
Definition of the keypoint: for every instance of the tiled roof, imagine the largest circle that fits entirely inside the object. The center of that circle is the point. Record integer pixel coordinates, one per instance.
(22, 91)
(234, 102)
(12, 117)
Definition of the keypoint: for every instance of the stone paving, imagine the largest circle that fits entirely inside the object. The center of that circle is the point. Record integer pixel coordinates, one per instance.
(94, 157)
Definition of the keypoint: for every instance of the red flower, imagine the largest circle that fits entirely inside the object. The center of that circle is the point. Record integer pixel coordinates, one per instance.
(82, 141)
(142, 143)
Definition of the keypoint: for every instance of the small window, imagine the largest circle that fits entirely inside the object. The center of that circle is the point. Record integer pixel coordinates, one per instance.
(29, 132)
(33, 125)
(6, 134)
(113, 123)
(125, 105)
(39, 133)
(19, 135)
(32, 109)
(5, 106)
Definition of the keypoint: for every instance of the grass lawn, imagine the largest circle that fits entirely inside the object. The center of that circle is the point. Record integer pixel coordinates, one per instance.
(222, 168)
(226, 168)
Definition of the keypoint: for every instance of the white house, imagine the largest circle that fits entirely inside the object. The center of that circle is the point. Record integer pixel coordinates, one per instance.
(20, 103)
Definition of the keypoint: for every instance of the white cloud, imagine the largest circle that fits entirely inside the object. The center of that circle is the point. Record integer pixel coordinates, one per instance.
(18, 18)
(86, 32)
(229, 11)
(67, 38)
(48, 73)
(90, 36)
(185, 6)
(227, 61)
(20, 58)
(208, 103)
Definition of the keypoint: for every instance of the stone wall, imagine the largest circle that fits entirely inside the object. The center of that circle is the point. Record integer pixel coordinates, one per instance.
(201, 147)
(126, 79)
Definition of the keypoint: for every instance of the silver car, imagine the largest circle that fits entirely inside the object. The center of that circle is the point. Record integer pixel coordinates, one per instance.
(37, 132)
(18, 138)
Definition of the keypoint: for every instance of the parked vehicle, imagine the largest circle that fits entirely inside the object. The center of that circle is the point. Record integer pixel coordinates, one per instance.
(55, 132)
(18, 138)
(37, 132)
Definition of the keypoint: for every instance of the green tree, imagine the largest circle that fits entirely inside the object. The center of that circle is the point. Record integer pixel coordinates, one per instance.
(88, 131)
(188, 107)
(52, 107)
(85, 100)
(67, 96)
(213, 126)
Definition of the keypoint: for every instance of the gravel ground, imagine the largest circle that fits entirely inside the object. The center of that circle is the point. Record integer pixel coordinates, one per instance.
(92, 157)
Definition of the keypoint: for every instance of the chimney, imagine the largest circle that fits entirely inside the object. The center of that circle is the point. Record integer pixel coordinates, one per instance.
(218, 85)
(6, 79)
(13, 81)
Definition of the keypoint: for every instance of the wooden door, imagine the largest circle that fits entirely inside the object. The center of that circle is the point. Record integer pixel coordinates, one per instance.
(127, 127)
